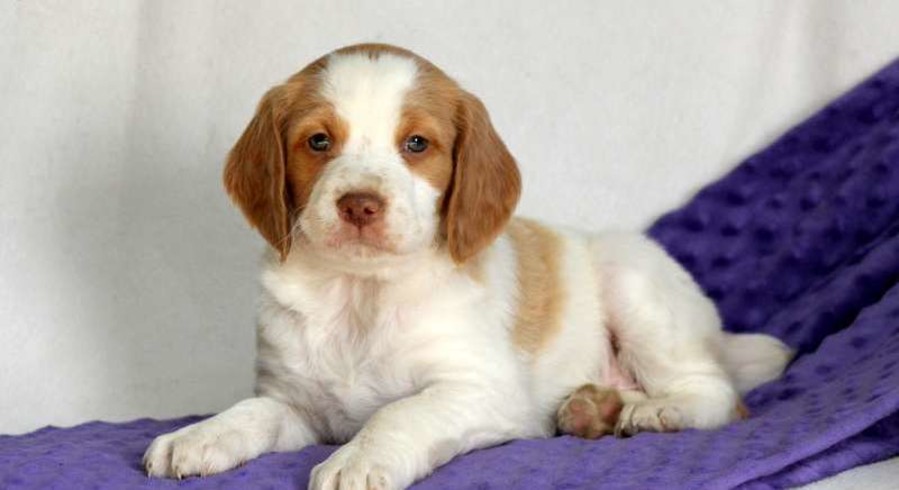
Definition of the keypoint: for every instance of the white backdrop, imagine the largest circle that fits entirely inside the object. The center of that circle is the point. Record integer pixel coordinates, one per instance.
(127, 280)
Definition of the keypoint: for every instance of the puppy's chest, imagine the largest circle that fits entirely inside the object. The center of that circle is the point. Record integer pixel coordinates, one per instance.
(343, 360)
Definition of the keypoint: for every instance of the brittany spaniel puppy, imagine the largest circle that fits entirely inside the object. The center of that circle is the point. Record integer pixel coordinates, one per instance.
(406, 315)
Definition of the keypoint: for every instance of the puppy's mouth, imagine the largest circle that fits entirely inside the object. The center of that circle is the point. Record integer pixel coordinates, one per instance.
(360, 240)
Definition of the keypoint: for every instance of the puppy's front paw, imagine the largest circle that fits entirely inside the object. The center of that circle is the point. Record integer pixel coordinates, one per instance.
(351, 468)
(204, 448)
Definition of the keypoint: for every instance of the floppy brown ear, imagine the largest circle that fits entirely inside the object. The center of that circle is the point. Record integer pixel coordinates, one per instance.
(255, 174)
(486, 183)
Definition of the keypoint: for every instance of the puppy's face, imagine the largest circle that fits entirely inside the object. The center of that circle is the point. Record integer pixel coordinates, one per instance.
(371, 154)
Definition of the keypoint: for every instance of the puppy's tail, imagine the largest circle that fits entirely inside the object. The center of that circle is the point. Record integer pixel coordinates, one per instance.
(753, 359)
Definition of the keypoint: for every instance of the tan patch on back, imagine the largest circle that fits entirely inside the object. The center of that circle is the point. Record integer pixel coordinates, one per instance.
(541, 295)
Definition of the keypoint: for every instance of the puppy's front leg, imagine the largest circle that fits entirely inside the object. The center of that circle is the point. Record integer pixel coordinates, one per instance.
(407, 439)
(243, 432)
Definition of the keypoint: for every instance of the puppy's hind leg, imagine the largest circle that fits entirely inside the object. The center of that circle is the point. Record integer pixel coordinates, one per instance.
(667, 333)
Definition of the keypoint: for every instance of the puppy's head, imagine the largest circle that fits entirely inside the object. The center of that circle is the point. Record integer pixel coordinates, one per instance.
(369, 153)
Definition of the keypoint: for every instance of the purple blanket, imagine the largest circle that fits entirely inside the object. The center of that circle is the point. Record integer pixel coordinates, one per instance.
(800, 241)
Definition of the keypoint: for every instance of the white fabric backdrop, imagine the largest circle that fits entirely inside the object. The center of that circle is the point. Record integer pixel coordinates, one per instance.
(127, 280)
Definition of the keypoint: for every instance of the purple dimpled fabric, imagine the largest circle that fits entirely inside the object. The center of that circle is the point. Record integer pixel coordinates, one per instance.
(800, 241)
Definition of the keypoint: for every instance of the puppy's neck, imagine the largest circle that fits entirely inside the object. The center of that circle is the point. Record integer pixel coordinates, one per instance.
(396, 280)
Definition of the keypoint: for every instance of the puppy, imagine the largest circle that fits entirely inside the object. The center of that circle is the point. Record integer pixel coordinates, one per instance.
(407, 316)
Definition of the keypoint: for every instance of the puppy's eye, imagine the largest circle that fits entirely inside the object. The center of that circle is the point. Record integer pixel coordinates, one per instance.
(319, 142)
(416, 144)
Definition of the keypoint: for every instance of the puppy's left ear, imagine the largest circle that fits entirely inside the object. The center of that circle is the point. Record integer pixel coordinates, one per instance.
(486, 183)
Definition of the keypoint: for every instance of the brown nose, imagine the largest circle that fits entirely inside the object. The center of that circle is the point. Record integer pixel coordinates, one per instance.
(360, 208)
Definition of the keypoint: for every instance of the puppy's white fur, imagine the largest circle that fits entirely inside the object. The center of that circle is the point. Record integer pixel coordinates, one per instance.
(395, 350)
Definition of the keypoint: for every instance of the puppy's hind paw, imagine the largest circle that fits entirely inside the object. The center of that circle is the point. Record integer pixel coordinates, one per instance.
(590, 412)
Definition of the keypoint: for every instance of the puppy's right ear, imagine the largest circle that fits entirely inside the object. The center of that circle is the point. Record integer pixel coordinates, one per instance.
(255, 173)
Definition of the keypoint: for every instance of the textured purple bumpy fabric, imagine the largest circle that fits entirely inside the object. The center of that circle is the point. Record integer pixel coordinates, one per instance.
(800, 241)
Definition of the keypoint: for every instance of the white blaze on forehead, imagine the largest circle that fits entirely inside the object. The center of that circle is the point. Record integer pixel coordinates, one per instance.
(368, 94)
